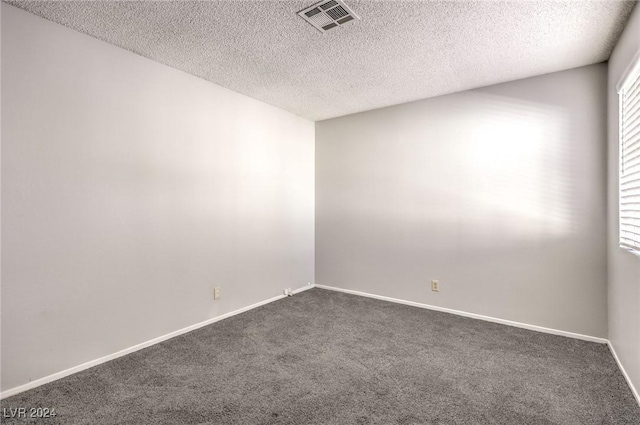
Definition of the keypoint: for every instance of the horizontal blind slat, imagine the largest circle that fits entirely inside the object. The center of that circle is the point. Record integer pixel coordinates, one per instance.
(633, 88)
(631, 108)
(631, 157)
(627, 176)
(631, 122)
(630, 127)
(630, 193)
(635, 82)
(631, 227)
(629, 183)
(631, 145)
(632, 101)
(632, 95)
(630, 168)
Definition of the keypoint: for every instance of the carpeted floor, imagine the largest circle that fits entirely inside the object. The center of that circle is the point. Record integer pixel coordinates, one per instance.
(324, 357)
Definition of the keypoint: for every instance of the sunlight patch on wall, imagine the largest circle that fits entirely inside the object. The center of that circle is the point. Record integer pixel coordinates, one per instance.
(515, 156)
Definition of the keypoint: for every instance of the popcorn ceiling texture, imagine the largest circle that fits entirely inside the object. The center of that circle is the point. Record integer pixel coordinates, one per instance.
(399, 52)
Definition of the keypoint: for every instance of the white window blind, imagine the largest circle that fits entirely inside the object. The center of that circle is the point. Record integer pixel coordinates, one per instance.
(630, 159)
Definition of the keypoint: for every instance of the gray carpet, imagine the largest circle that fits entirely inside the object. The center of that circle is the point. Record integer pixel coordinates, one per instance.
(324, 357)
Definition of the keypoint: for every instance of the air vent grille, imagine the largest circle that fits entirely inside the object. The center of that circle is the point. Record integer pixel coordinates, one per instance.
(337, 12)
(328, 14)
(312, 12)
(328, 4)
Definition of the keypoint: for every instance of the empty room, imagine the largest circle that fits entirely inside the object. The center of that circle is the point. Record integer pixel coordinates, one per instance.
(337, 212)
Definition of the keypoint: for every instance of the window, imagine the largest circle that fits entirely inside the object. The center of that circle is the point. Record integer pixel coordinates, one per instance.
(629, 91)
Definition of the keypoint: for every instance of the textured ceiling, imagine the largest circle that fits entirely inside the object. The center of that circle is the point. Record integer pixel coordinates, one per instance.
(400, 51)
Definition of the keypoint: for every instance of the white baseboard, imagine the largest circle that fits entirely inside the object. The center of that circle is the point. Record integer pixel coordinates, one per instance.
(54, 377)
(471, 315)
(634, 391)
(304, 288)
(36, 383)
(624, 373)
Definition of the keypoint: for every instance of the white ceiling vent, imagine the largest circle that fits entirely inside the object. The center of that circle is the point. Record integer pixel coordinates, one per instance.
(327, 15)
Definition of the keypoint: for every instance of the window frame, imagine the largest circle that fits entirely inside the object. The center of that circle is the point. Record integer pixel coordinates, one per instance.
(631, 72)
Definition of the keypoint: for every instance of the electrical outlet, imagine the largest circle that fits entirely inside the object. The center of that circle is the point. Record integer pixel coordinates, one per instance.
(435, 285)
(216, 293)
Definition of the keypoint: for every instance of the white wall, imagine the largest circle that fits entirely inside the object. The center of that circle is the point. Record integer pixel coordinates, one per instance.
(129, 191)
(500, 193)
(624, 267)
